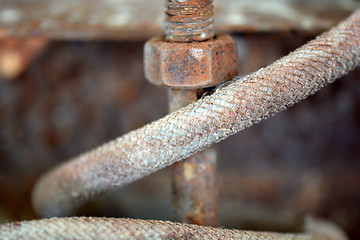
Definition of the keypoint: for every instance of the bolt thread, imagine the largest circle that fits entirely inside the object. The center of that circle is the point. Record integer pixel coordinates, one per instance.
(189, 20)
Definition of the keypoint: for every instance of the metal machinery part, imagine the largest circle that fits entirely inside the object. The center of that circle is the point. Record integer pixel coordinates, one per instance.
(189, 59)
(347, 65)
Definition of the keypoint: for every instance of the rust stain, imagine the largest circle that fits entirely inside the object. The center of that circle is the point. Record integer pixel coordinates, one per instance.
(188, 171)
(190, 65)
(196, 189)
(189, 21)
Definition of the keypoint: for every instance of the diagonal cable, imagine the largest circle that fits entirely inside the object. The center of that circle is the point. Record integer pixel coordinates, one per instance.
(232, 108)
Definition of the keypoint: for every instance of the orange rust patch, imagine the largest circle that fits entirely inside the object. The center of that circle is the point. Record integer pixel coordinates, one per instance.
(190, 65)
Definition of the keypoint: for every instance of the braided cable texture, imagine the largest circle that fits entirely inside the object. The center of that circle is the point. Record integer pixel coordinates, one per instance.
(247, 100)
(118, 228)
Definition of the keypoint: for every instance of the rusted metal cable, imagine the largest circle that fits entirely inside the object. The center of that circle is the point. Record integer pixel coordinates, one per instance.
(230, 109)
(118, 228)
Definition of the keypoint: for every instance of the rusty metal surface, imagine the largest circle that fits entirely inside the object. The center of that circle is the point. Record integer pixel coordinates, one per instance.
(70, 88)
(244, 102)
(195, 183)
(136, 19)
(272, 197)
(281, 84)
(79, 94)
(45, 119)
(190, 65)
(196, 189)
(194, 179)
(188, 21)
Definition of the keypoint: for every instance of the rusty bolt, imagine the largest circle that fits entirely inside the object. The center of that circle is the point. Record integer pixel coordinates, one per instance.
(189, 21)
(190, 65)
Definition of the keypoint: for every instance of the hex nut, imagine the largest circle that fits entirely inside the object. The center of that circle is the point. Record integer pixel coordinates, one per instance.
(190, 65)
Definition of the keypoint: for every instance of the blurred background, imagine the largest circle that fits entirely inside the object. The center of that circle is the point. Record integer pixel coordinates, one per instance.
(71, 78)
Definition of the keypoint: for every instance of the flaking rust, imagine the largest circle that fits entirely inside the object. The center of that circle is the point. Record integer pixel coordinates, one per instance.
(196, 188)
(190, 65)
(188, 59)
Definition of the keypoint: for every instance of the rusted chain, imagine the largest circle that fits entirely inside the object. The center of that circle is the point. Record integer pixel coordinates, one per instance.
(118, 228)
(230, 109)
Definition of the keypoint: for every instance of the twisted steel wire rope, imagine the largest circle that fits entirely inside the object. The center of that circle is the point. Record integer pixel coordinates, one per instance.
(247, 100)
